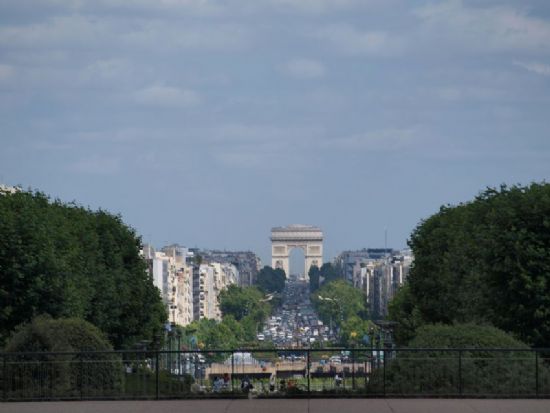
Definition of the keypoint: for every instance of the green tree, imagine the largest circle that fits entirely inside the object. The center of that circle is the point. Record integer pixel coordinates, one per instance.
(67, 261)
(64, 375)
(240, 302)
(338, 301)
(329, 273)
(402, 309)
(248, 306)
(314, 275)
(354, 329)
(482, 372)
(271, 280)
(211, 334)
(486, 261)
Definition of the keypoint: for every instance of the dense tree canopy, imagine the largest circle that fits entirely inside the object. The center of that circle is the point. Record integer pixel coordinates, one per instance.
(487, 261)
(67, 261)
(212, 334)
(329, 272)
(240, 302)
(44, 333)
(71, 335)
(481, 371)
(271, 280)
(248, 306)
(338, 301)
(314, 277)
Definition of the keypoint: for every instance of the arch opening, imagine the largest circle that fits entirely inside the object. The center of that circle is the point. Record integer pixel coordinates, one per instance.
(297, 258)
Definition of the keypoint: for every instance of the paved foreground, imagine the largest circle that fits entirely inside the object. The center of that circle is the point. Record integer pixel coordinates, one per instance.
(286, 406)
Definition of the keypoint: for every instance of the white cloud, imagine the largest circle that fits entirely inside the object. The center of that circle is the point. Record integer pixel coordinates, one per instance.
(535, 67)
(256, 145)
(349, 40)
(497, 28)
(107, 70)
(6, 72)
(380, 141)
(465, 92)
(304, 69)
(86, 32)
(316, 6)
(167, 96)
(97, 165)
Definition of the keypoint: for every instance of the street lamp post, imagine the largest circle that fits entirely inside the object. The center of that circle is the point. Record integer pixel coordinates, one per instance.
(178, 335)
(371, 334)
(339, 306)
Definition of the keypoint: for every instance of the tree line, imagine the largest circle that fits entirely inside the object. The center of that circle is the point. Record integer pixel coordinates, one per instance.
(67, 261)
(485, 262)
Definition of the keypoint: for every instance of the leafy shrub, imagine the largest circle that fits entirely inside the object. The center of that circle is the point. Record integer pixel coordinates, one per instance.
(473, 370)
(51, 358)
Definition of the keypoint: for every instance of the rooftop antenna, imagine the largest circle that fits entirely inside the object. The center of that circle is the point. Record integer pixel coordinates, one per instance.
(386, 241)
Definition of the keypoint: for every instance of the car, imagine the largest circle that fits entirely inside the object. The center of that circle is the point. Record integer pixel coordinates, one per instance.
(335, 360)
(260, 337)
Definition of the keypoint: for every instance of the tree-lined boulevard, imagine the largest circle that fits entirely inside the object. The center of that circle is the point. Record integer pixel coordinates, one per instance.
(475, 306)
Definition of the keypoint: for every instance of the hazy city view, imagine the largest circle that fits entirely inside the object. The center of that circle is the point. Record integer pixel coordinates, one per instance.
(274, 199)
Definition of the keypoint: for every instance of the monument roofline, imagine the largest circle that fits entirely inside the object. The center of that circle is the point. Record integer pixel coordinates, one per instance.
(296, 227)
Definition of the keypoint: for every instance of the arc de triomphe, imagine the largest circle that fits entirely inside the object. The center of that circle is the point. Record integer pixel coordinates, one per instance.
(306, 237)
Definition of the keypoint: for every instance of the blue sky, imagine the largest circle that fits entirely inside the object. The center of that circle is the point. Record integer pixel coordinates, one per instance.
(208, 122)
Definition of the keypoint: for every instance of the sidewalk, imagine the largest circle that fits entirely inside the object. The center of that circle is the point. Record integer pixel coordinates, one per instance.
(287, 406)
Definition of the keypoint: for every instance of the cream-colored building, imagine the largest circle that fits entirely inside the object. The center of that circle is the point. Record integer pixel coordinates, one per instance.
(380, 278)
(173, 277)
(213, 278)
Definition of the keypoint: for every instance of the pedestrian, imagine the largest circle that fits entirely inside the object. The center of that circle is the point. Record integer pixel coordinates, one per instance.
(226, 380)
(272, 382)
(337, 380)
(218, 384)
(246, 385)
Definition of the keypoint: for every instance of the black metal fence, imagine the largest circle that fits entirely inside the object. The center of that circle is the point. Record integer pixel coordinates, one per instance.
(335, 372)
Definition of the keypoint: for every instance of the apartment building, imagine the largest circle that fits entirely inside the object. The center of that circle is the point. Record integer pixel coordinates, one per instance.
(379, 272)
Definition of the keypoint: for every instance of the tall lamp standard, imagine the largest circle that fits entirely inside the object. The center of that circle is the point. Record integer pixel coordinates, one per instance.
(337, 303)
(371, 334)
(178, 335)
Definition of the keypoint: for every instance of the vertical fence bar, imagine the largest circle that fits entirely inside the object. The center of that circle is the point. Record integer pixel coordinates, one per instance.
(536, 373)
(460, 372)
(4, 378)
(353, 369)
(232, 371)
(308, 370)
(157, 377)
(384, 371)
(81, 375)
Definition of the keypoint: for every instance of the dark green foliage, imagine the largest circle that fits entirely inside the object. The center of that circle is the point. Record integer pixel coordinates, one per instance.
(212, 334)
(62, 375)
(487, 261)
(330, 272)
(314, 275)
(44, 333)
(248, 306)
(354, 329)
(339, 303)
(271, 280)
(402, 309)
(68, 261)
(464, 336)
(468, 372)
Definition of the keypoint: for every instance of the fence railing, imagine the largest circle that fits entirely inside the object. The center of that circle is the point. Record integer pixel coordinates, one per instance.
(334, 372)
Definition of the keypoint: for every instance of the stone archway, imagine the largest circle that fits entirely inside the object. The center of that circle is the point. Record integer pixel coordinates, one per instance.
(305, 237)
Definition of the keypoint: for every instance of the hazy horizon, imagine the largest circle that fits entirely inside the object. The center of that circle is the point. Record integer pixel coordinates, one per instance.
(207, 124)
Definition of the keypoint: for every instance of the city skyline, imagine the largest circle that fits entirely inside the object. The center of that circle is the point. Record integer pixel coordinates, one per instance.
(207, 124)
